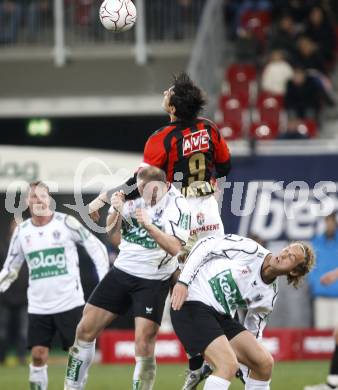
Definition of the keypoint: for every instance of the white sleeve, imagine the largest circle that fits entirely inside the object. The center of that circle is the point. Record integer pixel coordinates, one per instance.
(197, 258)
(94, 247)
(13, 262)
(179, 218)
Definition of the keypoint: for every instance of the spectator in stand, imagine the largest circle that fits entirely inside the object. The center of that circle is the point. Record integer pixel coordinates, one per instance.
(324, 288)
(297, 9)
(10, 18)
(284, 36)
(37, 12)
(13, 309)
(303, 95)
(320, 29)
(308, 55)
(276, 74)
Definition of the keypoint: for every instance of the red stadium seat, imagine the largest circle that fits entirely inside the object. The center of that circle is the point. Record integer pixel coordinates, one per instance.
(308, 127)
(230, 131)
(257, 22)
(266, 95)
(240, 72)
(232, 110)
(269, 108)
(240, 78)
(263, 131)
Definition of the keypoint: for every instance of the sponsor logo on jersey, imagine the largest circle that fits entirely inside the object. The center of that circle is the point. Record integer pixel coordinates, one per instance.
(205, 228)
(73, 368)
(200, 218)
(197, 141)
(47, 263)
(226, 292)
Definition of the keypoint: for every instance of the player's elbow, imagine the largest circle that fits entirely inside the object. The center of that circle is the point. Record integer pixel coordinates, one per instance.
(223, 169)
(175, 247)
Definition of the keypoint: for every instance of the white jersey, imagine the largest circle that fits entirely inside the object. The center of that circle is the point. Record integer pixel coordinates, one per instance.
(140, 255)
(51, 255)
(225, 273)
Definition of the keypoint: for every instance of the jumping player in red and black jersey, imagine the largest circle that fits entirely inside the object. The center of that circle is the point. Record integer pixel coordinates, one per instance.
(189, 145)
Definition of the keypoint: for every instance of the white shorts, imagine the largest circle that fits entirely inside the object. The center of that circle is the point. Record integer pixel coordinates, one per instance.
(205, 217)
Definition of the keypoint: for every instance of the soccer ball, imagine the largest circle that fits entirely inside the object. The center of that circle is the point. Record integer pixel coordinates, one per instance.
(118, 15)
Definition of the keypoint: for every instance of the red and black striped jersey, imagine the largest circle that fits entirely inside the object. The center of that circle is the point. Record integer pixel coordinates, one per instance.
(195, 148)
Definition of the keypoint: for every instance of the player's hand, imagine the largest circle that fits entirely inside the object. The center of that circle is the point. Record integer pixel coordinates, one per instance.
(143, 218)
(179, 295)
(6, 279)
(95, 205)
(329, 277)
(117, 201)
(95, 216)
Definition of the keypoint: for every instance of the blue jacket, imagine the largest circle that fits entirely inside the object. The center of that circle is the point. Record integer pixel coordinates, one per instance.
(327, 260)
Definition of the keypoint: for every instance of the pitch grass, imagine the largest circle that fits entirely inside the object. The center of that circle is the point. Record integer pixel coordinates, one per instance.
(287, 376)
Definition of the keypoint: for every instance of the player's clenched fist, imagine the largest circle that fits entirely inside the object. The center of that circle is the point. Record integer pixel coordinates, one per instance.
(143, 218)
(179, 295)
(117, 201)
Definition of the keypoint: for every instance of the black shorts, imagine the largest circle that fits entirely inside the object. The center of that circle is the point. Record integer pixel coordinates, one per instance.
(43, 327)
(119, 291)
(197, 325)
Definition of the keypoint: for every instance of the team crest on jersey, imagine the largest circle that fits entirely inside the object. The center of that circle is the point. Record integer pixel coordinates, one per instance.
(28, 239)
(56, 235)
(200, 218)
(197, 141)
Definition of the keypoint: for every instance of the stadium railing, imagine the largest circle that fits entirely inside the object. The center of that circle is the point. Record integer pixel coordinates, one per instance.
(30, 30)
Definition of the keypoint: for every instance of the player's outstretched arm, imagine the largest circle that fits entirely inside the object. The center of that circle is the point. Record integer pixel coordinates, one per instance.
(330, 277)
(13, 263)
(129, 188)
(93, 246)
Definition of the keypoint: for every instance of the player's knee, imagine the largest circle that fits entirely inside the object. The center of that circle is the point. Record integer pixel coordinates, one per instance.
(39, 356)
(264, 366)
(227, 368)
(145, 342)
(85, 332)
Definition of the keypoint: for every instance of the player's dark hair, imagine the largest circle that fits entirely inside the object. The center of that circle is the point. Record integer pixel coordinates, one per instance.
(151, 173)
(187, 98)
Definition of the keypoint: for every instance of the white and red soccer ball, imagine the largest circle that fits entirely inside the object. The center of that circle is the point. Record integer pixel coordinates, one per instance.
(118, 15)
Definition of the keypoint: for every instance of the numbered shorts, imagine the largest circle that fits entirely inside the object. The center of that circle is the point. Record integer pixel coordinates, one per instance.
(205, 217)
(119, 291)
(43, 327)
(197, 325)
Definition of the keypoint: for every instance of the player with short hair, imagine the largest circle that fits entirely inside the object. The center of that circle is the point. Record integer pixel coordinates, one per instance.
(221, 275)
(149, 231)
(47, 241)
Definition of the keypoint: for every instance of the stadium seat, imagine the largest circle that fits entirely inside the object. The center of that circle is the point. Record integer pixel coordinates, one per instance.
(257, 22)
(231, 108)
(263, 131)
(241, 79)
(308, 127)
(269, 108)
(230, 131)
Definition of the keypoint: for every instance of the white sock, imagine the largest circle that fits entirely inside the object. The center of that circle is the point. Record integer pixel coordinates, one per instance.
(254, 384)
(81, 356)
(38, 377)
(214, 382)
(144, 373)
